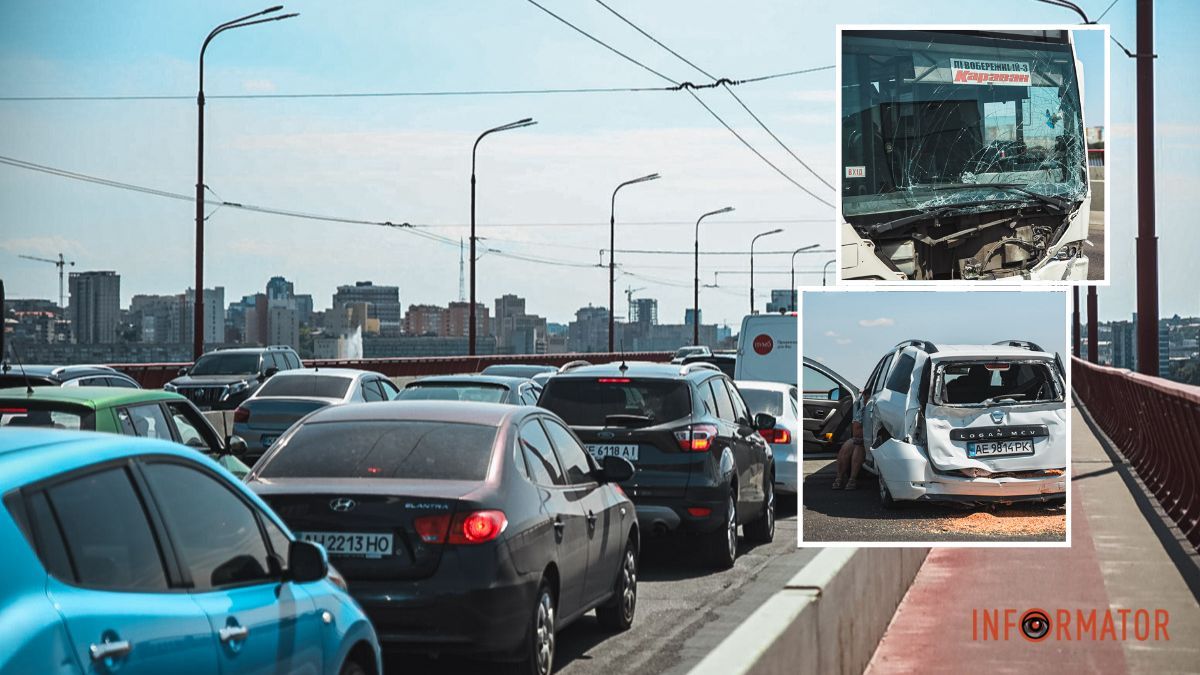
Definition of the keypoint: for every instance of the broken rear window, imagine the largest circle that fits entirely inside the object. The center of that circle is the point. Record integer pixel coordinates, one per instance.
(997, 382)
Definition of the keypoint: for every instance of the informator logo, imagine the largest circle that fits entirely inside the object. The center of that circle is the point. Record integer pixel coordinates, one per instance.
(763, 344)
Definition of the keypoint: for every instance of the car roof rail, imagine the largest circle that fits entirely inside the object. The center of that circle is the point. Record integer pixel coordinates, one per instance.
(572, 365)
(1022, 344)
(697, 365)
(924, 345)
(279, 346)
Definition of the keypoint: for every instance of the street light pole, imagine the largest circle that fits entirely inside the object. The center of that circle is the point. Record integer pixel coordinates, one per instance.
(752, 241)
(799, 250)
(198, 318)
(527, 122)
(825, 270)
(612, 250)
(696, 296)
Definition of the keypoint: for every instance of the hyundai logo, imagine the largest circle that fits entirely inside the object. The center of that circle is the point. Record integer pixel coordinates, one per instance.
(342, 504)
(997, 416)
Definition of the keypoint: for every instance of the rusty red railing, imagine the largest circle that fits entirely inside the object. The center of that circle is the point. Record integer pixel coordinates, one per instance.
(154, 375)
(1155, 422)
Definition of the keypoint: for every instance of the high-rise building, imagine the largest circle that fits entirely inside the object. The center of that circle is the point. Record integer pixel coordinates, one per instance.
(589, 331)
(643, 310)
(1124, 344)
(687, 317)
(384, 304)
(283, 326)
(516, 331)
(255, 330)
(159, 318)
(214, 314)
(304, 305)
(95, 306)
(425, 320)
(458, 320)
(280, 289)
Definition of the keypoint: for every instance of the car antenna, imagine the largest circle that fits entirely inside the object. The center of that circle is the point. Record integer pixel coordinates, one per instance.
(623, 367)
(24, 375)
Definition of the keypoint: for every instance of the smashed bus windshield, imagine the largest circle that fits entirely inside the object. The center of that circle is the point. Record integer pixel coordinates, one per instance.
(931, 118)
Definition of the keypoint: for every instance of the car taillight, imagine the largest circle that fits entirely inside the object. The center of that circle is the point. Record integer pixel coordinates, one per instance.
(432, 529)
(779, 436)
(699, 511)
(13, 411)
(241, 415)
(696, 438)
(477, 527)
(613, 380)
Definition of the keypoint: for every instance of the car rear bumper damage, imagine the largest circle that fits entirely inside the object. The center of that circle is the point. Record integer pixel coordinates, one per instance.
(908, 475)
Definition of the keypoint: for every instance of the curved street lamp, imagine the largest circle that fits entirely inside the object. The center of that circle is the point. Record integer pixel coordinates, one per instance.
(825, 269)
(198, 325)
(696, 296)
(799, 250)
(612, 249)
(519, 124)
(752, 241)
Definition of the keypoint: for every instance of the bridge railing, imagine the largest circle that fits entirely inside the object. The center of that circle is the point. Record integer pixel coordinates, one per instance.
(1156, 423)
(155, 375)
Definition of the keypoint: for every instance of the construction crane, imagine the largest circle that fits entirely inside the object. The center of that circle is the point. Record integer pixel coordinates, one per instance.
(60, 264)
(629, 301)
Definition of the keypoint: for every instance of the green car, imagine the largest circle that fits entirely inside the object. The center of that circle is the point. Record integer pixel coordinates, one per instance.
(134, 412)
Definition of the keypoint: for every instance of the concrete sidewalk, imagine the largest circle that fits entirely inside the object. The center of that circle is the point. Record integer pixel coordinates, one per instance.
(1123, 556)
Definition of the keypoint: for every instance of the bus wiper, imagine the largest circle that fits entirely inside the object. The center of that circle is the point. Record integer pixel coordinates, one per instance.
(1058, 203)
(884, 228)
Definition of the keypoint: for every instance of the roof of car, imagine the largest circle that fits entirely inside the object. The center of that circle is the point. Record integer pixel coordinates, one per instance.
(28, 455)
(960, 351)
(763, 384)
(327, 372)
(463, 412)
(91, 397)
(61, 372)
(522, 367)
(248, 350)
(493, 380)
(639, 369)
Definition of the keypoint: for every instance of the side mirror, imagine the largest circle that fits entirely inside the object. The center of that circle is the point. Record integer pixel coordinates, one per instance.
(764, 421)
(236, 446)
(835, 393)
(269, 372)
(183, 371)
(615, 469)
(307, 562)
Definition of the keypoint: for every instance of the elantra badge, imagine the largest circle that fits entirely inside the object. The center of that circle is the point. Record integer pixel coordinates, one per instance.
(997, 416)
(342, 504)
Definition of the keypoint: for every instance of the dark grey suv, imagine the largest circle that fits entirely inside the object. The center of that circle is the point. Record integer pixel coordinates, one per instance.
(701, 466)
(222, 379)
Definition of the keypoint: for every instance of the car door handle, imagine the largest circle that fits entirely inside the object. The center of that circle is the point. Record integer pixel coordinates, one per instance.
(591, 518)
(233, 633)
(559, 525)
(110, 649)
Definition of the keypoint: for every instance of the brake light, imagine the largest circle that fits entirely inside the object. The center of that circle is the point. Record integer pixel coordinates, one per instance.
(477, 527)
(241, 415)
(696, 438)
(997, 366)
(613, 380)
(13, 411)
(432, 529)
(699, 511)
(777, 436)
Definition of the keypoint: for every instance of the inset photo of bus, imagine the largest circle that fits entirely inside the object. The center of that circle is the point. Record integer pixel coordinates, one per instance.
(934, 416)
(972, 154)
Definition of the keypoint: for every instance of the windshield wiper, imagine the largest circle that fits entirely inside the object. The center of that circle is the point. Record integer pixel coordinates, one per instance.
(1010, 398)
(627, 421)
(884, 228)
(1056, 202)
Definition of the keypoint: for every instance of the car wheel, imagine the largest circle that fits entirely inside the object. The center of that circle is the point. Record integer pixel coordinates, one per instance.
(762, 530)
(539, 648)
(885, 496)
(617, 614)
(722, 544)
(352, 668)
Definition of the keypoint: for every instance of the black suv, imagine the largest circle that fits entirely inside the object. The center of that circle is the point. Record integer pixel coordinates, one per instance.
(702, 467)
(222, 379)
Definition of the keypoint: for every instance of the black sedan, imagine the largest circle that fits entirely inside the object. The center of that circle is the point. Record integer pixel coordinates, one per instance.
(461, 527)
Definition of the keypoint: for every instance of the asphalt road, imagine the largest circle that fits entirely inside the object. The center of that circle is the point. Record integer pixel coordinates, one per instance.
(1095, 252)
(684, 610)
(856, 515)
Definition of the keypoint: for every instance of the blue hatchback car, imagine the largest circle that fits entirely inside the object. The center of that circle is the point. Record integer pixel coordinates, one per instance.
(133, 555)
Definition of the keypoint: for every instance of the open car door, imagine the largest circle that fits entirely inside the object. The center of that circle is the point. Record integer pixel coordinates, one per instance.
(827, 400)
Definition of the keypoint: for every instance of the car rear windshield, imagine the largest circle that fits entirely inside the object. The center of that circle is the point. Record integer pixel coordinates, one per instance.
(997, 382)
(484, 393)
(588, 402)
(226, 364)
(49, 416)
(324, 386)
(763, 401)
(385, 449)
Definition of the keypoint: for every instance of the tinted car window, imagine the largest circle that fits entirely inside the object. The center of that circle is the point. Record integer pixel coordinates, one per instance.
(588, 402)
(385, 449)
(148, 421)
(539, 455)
(215, 532)
(46, 415)
(764, 401)
(51, 549)
(226, 364)
(389, 390)
(370, 391)
(190, 431)
(433, 391)
(323, 386)
(292, 360)
(706, 398)
(724, 406)
(574, 458)
(740, 411)
(122, 382)
(106, 533)
(899, 378)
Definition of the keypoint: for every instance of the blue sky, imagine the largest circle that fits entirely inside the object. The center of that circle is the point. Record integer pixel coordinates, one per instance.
(407, 159)
(850, 330)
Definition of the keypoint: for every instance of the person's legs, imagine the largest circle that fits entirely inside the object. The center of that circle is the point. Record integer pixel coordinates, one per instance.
(844, 458)
(857, 453)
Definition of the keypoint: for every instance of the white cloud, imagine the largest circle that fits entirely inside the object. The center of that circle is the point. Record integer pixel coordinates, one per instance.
(876, 323)
(831, 333)
(49, 246)
(844, 341)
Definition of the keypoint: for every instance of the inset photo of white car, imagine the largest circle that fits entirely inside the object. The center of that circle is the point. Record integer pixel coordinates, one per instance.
(934, 416)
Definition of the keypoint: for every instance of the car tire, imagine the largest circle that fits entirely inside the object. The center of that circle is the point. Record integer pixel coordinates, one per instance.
(722, 543)
(537, 656)
(352, 668)
(885, 496)
(762, 530)
(617, 614)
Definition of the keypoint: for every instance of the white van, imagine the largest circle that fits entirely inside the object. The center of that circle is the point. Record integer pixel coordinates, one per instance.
(767, 349)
